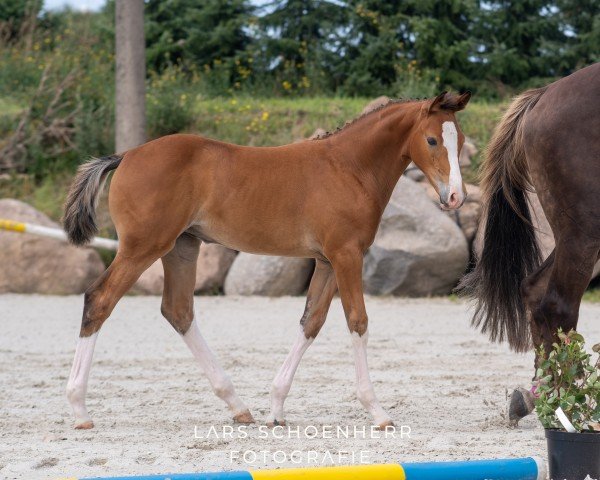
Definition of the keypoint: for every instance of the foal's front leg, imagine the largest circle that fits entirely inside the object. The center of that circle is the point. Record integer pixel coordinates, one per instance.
(320, 293)
(348, 265)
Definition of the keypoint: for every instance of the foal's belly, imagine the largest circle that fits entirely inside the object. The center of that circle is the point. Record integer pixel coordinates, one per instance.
(284, 238)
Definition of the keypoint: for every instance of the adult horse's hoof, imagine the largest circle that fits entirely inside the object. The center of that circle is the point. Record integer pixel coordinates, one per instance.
(85, 425)
(383, 426)
(276, 423)
(244, 418)
(522, 403)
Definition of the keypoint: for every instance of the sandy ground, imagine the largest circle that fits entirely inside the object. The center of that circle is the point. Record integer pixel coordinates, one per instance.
(152, 407)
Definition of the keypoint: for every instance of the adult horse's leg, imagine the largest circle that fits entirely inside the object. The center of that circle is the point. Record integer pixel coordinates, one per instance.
(533, 289)
(348, 264)
(100, 299)
(553, 297)
(178, 308)
(575, 256)
(320, 293)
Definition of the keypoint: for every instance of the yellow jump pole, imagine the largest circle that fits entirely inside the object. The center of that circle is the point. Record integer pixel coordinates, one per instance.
(22, 227)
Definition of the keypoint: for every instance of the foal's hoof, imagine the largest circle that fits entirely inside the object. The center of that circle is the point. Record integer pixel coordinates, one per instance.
(84, 425)
(522, 403)
(244, 417)
(276, 423)
(383, 426)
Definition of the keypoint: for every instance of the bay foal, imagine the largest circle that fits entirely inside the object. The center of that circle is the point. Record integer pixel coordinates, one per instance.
(321, 199)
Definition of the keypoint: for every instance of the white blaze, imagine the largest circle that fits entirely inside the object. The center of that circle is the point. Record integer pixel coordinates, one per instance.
(450, 138)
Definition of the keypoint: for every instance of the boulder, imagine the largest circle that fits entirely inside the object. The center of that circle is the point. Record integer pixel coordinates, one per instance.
(214, 262)
(212, 267)
(35, 264)
(375, 104)
(268, 276)
(467, 152)
(467, 216)
(319, 132)
(418, 250)
(151, 281)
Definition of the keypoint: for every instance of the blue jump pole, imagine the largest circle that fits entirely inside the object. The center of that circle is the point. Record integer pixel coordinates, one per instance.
(529, 468)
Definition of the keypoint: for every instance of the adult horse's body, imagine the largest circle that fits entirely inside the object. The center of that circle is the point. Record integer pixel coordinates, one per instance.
(321, 199)
(549, 138)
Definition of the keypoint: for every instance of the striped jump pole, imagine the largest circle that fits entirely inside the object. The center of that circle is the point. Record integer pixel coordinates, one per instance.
(22, 227)
(530, 468)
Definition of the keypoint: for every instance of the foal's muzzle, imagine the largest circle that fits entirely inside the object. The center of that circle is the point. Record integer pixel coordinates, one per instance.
(451, 198)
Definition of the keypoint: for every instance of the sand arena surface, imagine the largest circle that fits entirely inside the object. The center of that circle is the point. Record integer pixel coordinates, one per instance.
(150, 403)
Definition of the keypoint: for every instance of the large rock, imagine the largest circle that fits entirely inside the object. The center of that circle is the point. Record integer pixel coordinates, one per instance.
(268, 276)
(418, 250)
(375, 104)
(34, 264)
(467, 216)
(214, 262)
(212, 267)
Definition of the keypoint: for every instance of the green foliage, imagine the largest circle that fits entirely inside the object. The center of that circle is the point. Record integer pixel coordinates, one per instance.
(521, 40)
(569, 379)
(18, 17)
(168, 103)
(197, 32)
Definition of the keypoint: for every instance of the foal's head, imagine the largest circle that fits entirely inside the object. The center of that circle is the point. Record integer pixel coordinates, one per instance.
(435, 144)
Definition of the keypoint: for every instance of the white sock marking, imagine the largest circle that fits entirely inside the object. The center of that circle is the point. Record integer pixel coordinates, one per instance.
(450, 138)
(78, 379)
(219, 381)
(283, 380)
(364, 387)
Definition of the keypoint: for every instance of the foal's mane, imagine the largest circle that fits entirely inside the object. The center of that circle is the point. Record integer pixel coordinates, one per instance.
(389, 103)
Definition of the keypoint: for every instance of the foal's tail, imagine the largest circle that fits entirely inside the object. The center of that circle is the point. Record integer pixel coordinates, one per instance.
(79, 220)
(510, 250)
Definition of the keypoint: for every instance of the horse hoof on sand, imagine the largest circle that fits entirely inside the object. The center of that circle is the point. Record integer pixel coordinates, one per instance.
(86, 425)
(244, 417)
(276, 423)
(383, 426)
(522, 403)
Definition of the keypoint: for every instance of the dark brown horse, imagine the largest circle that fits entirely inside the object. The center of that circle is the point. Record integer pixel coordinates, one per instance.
(549, 139)
(321, 199)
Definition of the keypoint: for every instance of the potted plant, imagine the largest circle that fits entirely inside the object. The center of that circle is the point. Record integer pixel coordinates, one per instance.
(568, 407)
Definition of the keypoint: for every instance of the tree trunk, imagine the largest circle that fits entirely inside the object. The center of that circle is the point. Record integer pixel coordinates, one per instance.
(130, 96)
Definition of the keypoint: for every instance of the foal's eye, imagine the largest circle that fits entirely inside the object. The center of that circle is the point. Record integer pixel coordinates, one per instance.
(431, 141)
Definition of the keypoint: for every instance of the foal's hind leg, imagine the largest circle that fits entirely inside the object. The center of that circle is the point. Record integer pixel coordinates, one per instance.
(320, 293)
(178, 308)
(100, 299)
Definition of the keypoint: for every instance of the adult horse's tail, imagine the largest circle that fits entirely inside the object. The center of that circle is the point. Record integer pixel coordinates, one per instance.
(79, 220)
(510, 251)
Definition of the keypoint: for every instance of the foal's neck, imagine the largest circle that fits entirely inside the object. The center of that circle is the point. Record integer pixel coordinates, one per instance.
(377, 146)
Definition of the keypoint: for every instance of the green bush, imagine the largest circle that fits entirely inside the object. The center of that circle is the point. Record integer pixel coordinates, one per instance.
(569, 380)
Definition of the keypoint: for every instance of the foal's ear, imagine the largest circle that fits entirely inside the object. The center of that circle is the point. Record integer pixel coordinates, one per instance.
(462, 100)
(449, 103)
(437, 102)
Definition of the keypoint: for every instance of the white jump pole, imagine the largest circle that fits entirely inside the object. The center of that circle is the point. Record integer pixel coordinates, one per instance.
(22, 227)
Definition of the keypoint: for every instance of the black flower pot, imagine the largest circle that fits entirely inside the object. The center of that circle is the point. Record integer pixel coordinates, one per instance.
(573, 456)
